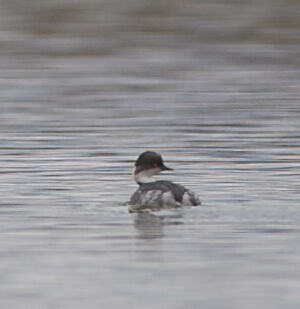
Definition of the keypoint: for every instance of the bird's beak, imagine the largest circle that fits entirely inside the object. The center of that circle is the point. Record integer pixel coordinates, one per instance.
(165, 168)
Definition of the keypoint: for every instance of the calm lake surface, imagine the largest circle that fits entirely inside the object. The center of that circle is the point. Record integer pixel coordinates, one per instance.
(85, 88)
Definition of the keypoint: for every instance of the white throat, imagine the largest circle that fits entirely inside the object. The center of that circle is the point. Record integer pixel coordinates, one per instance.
(145, 176)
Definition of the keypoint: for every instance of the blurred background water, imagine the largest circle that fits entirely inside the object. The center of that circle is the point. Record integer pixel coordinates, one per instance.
(85, 87)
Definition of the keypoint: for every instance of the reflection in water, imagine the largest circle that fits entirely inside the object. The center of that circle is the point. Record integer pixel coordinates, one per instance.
(148, 225)
(151, 225)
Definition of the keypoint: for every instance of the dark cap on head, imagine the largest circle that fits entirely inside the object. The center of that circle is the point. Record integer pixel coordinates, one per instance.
(150, 159)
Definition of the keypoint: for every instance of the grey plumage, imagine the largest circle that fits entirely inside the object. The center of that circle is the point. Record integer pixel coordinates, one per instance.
(162, 194)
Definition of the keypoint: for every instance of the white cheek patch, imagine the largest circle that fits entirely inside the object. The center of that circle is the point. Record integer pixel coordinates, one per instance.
(152, 171)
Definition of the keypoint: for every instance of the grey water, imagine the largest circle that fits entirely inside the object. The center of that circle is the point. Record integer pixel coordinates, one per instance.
(88, 85)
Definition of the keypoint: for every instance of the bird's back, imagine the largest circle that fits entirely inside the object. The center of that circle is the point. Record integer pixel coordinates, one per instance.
(163, 194)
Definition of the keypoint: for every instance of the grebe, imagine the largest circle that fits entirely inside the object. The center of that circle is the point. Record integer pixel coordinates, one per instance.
(160, 194)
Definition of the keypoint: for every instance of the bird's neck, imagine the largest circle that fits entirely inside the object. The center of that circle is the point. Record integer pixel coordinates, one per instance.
(144, 176)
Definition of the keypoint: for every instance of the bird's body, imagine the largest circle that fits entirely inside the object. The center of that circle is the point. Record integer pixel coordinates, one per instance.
(156, 195)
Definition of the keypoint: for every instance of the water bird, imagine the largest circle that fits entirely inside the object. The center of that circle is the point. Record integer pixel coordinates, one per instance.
(157, 194)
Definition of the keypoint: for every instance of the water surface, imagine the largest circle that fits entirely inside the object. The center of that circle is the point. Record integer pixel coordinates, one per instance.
(214, 89)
